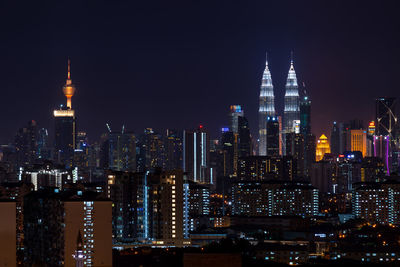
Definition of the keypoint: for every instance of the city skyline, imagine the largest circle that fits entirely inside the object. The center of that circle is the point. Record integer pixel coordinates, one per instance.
(199, 134)
(195, 70)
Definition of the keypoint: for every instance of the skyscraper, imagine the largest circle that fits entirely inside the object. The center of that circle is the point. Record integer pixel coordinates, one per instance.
(173, 149)
(305, 114)
(43, 149)
(292, 105)
(335, 139)
(129, 194)
(235, 111)
(166, 207)
(358, 141)
(244, 137)
(26, 144)
(385, 116)
(65, 125)
(322, 147)
(122, 151)
(387, 125)
(196, 148)
(305, 130)
(272, 136)
(266, 108)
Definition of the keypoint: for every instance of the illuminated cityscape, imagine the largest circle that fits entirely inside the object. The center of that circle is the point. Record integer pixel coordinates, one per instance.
(199, 135)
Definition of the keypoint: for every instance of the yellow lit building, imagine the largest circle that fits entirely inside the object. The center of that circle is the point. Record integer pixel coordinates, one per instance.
(358, 141)
(323, 147)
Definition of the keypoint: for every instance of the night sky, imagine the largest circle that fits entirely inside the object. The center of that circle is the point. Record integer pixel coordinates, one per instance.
(175, 65)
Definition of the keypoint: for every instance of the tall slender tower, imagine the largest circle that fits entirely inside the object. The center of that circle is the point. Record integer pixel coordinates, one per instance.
(292, 103)
(69, 88)
(266, 108)
(65, 126)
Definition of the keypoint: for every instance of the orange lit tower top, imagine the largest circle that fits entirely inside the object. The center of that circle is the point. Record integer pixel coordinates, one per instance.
(69, 88)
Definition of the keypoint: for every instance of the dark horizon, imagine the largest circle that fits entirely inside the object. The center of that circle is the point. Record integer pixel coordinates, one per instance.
(176, 66)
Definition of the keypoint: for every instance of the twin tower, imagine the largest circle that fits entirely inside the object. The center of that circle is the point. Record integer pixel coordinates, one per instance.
(291, 116)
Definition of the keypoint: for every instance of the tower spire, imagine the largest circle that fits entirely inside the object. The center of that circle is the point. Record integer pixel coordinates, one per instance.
(291, 60)
(69, 70)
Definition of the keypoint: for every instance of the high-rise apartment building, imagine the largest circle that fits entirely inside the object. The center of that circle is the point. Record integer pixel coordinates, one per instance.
(274, 198)
(166, 200)
(53, 220)
(377, 202)
(129, 192)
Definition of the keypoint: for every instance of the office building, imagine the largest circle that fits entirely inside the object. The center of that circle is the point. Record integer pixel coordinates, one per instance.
(173, 143)
(385, 116)
(196, 147)
(335, 139)
(257, 168)
(273, 136)
(43, 146)
(150, 151)
(322, 148)
(295, 147)
(266, 108)
(292, 104)
(358, 141)
(121, 151)
(235, 111)
(229, 147)
(245, 147)
(305, 114)
(382, 150)
(26, 144)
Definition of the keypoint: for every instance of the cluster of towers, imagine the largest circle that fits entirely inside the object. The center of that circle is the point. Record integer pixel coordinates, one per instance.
(291, 116)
